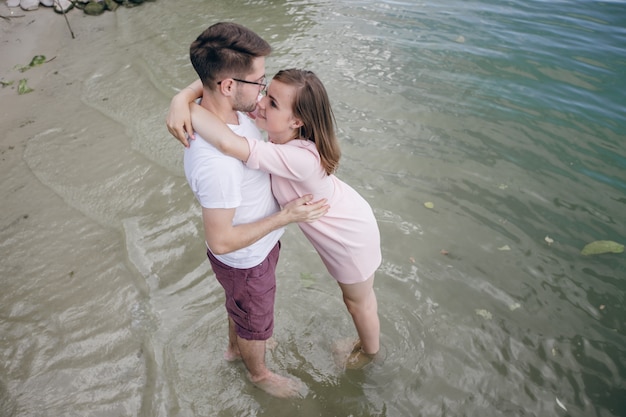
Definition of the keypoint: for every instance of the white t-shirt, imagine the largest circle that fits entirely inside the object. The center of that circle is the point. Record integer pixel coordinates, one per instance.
(220, 181)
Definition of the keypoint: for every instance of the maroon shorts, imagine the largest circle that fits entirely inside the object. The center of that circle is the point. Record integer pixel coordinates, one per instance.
(250, 295)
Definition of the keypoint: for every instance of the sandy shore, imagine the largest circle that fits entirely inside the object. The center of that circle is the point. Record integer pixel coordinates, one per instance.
(25, 35)
(53, 254)
(55, 100)
(39, 32)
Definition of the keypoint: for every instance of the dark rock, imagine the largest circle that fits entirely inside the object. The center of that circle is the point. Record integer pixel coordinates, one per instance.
(94, 8)
(111, 4)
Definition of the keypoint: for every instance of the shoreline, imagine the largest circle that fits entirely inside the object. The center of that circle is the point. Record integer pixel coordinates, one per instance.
(57, 254)
(54, 107)
(32, 33)
(57, 81)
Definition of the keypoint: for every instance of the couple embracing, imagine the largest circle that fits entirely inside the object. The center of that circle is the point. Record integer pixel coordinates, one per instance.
(249, 189)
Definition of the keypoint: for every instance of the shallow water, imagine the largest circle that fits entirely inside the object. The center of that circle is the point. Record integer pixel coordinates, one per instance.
(509, 118)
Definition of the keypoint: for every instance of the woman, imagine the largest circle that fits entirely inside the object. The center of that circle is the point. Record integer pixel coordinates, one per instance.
(302, 155)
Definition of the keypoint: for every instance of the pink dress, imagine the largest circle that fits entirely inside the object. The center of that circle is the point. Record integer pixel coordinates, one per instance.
(347, 237)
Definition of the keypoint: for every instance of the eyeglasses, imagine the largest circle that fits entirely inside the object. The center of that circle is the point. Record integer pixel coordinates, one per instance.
(263, 83)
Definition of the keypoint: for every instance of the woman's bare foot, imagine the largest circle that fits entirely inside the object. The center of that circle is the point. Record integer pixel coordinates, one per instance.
(341, 349)
(357, 359)
(348, 354)
(280, 386)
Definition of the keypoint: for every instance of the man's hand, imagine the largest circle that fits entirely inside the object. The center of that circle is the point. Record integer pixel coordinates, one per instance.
(302, 210)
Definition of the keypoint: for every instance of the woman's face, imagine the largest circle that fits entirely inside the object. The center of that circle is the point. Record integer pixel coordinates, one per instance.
(275, 114)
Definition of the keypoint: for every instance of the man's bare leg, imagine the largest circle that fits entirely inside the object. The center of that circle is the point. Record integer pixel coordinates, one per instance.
(232, 351)
(253, 355)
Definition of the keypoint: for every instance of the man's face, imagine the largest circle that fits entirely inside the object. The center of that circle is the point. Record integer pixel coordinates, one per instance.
(246, 94)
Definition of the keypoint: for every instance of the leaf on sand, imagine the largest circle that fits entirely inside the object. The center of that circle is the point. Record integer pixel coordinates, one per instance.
(23, 88)
(505, 247)
(37, 60)
(602, 246)
(429, 205)
(306, 279)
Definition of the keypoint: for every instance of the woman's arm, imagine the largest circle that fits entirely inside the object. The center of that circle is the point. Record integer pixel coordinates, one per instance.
(295, 163)
(212, 129)
(178, 118)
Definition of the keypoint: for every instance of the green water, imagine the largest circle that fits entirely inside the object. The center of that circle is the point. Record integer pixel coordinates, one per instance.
(509, 117)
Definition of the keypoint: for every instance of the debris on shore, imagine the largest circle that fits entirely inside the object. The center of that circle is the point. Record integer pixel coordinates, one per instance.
(90, 7)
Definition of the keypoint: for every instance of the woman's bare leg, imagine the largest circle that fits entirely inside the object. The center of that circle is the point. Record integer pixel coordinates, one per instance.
(360, 300)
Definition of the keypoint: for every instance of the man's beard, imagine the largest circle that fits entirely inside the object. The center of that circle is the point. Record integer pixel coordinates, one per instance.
(243, 106)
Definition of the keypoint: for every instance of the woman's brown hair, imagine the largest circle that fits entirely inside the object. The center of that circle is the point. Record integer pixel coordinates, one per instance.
(312, 106)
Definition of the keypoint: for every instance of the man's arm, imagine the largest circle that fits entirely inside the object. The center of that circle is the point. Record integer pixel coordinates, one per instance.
(178, 117)
(222, 237)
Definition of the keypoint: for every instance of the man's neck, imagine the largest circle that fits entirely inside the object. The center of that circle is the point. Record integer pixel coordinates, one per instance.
(221, 108)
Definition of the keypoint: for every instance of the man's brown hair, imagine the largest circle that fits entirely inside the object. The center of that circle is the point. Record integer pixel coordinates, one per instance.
(226, 49)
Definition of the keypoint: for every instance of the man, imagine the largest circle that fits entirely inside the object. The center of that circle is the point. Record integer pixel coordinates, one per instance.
(242, 221)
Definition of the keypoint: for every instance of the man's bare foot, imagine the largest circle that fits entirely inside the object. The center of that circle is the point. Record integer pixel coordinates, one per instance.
(271, 344)
(280, 386)
(232, 355)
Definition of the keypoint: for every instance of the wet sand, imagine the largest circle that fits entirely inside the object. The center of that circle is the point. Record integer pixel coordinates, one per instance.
(24, 35)
(56, 84)
(59, 268)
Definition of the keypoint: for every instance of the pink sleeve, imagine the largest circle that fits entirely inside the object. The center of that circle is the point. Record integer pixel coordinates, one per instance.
(290, 161)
